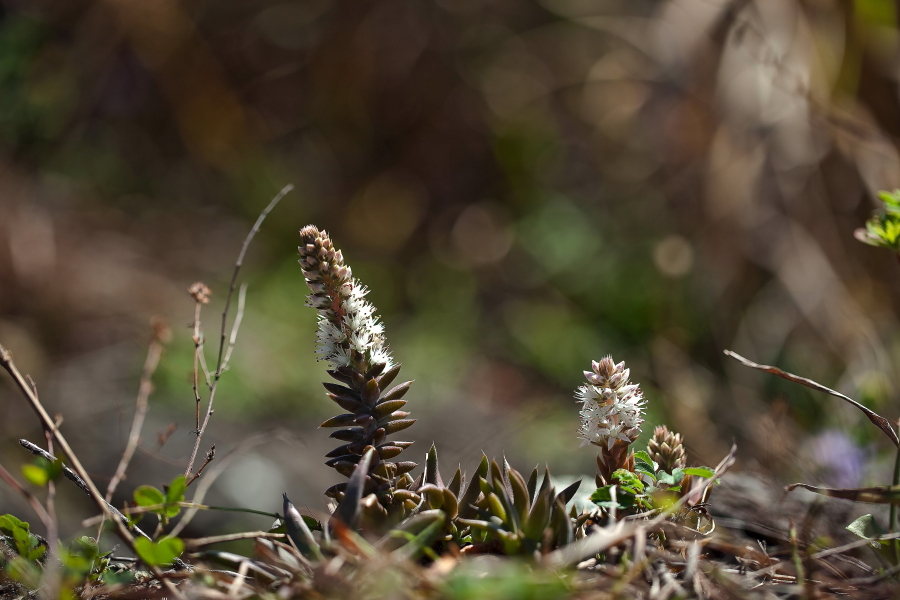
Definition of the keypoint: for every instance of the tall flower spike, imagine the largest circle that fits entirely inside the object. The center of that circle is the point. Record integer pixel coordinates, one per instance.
(349, 332)
(351, 338)
(611, 414)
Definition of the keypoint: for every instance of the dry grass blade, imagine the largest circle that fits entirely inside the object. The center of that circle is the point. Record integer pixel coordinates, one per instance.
(193, 543)
(853, 546)
(877, 419)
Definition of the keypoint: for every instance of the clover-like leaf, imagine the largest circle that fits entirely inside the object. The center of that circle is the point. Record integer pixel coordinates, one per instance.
(147, 495)
(159, 553)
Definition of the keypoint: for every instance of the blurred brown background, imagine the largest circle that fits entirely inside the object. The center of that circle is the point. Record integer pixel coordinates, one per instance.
(524, 185)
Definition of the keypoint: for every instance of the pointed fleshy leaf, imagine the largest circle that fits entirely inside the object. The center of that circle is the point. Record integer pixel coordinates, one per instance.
(539, 516)
(387, 451)
(351, 459)
(520, 493)
(336, 489)
(432, 474)
(339, 376)
(567, 494)
(546, 482)
(434, 496)
(386, 408)
(355, 448)
(397, 415)
(376, 370)
(451, 504)
(496, 507)
(357, 380)
(456, 483)
(405, 467)
(412, 526)
(351, 404)
(298, 531)
(344, 468)
(424, 538)
(532, 484)
(371, 392)
(386, 378)
(565, 533)
(348, 510)
(378, 436)
(341, 390)
(399, 425)
(474, 489)
(345, 420)
(353, 434)
(396, 392)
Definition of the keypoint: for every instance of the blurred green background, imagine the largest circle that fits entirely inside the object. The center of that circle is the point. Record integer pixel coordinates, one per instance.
(524, 185)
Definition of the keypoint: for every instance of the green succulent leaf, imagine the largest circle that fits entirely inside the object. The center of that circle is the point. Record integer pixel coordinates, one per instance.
(348, 510)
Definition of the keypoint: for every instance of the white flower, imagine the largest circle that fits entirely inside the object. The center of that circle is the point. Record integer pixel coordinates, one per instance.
(347, 321)
(612, 408)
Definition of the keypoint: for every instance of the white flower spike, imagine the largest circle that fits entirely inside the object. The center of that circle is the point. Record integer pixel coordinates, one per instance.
(348, 327)
(612, 408)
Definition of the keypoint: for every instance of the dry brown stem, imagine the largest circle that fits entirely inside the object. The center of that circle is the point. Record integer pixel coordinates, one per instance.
(6, 360)
(154, 352)
(221, 362)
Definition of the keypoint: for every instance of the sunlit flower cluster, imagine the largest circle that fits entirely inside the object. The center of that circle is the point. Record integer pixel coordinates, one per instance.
(347, 321)
(612, 406)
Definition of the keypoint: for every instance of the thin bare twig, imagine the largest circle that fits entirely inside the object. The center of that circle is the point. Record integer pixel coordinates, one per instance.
(154, 352)
(219, 362)
(238, 318)
(217, 469)
(876, 419)
(209, 458)
(6, 361)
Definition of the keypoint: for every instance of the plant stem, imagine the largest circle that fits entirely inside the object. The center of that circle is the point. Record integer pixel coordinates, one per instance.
(892, 522)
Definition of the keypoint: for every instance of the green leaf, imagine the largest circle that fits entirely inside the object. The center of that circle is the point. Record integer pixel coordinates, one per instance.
(36, 551)
(644, 456)
(147, 495)
(866, 527)
(25, 572)
(628, 481)
(704, 472)
(646, 469)
(36, 474)
(176, 489)
(159, 553)
(603, 498)
(9, 523)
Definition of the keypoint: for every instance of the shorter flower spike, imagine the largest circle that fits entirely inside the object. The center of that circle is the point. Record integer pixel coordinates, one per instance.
(667, 449)
(612, 406)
